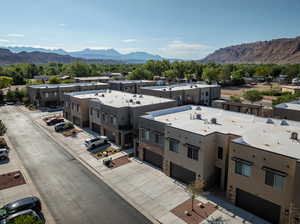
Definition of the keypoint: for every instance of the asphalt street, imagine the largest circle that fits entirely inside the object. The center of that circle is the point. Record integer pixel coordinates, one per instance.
(72, 193)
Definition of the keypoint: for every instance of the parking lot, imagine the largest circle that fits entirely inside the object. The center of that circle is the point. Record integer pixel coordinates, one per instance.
(23, 190)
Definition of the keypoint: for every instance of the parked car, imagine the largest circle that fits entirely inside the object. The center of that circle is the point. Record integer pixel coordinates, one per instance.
(3, 153)
(11, 208)
(54, 121)
(63, 126)
(94, 142)
(29, 212)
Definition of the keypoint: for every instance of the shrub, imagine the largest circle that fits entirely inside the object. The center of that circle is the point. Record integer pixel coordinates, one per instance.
(235, 99)
(253, 96)
(3, 129)
(26, 219)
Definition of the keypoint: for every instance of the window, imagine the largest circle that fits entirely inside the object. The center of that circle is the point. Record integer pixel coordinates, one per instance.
(274, 180)
(145, 134)
(193, 152)
(206, 93)
(174, 145)
(77, 107)
(91, 111)
(115, 120)
(55, 93)
(157, 138)
(98, 113)
(46, 95)
(242, 168)
(73, 106)
(220, 152)
(103, 117)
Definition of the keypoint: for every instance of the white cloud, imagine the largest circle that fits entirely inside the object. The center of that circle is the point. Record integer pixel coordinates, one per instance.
(130, 40)
(62, 24)
(15, 35)
(181, 50)
(3, 40)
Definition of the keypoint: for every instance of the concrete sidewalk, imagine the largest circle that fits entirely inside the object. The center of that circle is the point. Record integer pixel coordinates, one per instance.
(145, 187)
(21, 191)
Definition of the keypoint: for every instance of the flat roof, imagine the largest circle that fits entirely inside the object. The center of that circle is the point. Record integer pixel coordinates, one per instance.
(43, 86)
(294, 105)
(119, 99)
(291, 87)
(181, 86)
(133, 81)
(272, 135)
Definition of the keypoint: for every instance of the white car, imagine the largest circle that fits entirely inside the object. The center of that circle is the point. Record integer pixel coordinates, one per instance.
(97, 141)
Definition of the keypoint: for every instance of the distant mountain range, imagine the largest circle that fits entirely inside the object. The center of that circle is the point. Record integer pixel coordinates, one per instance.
(36, 57)
(278, 51)
(103, 54)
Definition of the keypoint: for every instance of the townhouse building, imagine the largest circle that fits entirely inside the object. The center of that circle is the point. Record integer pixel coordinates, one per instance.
(112, 113)
(290, 110)
(255, 160)
(186, 93)
(53, 94)
(130, 86)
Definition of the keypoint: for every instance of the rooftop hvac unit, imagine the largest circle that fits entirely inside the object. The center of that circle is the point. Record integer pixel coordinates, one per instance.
(138, 102)
(141, 96)
(134, 95)
(130, 100)
(170, 88)
(198, 116)
(103, 95)
(213, 120)
(191, 86)
(294, 136)
(270, 121)
(164, 90)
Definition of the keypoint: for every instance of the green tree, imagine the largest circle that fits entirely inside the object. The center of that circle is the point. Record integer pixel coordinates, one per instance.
(210, 74)
(54, 80)
(79, 69)
(1, 97)
(252, 96)
(5, 82)
(140, 73)
(3, 128)
(169, 74)
(237, 77)
(196, 188)
(10, 95)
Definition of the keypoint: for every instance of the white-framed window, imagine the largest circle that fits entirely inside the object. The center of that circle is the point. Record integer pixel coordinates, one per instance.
(145, 134)
(242, 168)
(173, 145)
(274, 179)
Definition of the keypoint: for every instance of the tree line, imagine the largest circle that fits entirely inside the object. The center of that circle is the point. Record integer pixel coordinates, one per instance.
(191, 70)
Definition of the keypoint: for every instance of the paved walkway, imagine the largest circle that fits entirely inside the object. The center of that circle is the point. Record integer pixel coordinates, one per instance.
(147, 188)
(21, 191)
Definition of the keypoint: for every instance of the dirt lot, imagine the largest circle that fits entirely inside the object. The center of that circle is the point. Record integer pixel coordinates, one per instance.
(239, 90)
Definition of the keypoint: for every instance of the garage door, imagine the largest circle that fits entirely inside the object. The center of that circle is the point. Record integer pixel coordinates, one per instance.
(153, 158)
(258, 206)
(96, 128)
(182, 174)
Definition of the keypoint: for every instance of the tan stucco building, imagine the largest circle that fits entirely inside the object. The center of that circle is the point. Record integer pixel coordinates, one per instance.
(53, 94)
(291, 89)
(186, 93)
(290, 110)
(254, 160)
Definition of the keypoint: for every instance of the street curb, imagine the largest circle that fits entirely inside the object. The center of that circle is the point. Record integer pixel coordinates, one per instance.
(95, 172)
(50, 219)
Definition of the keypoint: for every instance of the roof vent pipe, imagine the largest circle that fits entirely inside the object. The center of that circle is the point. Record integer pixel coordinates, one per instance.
(294, 136)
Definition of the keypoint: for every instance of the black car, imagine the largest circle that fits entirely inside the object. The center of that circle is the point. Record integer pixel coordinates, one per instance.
(32, 203)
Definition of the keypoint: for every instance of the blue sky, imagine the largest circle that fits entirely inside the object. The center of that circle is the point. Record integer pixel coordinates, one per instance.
(187, 29)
